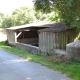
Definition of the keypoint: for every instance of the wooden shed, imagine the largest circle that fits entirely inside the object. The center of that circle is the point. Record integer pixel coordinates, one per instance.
(56, 37)
(27, 34)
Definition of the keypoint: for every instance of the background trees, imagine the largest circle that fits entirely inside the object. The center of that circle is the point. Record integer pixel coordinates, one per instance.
(23, 15)
(20, 16)
(7, 22)
(1, 18)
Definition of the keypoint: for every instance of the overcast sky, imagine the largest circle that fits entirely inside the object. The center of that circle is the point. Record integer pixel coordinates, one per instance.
(7, 6)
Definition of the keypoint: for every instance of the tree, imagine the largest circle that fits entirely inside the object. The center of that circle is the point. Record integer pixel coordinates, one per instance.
(23, 15)
(68, 11)
(40, 15)
(7, 22)
(20, 16)
(1, 18)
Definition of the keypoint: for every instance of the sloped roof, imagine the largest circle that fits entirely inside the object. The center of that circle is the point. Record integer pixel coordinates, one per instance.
(37, 24)
(56, 27)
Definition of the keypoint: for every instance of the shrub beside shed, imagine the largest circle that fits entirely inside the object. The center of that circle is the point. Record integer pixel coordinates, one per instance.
(56, 37)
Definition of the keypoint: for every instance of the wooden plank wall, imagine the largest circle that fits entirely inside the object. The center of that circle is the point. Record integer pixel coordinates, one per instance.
(11, 36)
(50, 40)
(65, 38)
(46, 41)
(28, 40)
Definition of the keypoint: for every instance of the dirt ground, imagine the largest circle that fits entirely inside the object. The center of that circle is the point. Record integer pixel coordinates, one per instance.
(3, 35)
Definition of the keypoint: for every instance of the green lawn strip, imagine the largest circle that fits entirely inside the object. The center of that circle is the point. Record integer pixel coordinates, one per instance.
(72, 70)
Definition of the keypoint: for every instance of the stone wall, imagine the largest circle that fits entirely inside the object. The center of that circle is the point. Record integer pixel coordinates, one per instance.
(37, 50)
(32, 49)
(27, 47)
(73, 50)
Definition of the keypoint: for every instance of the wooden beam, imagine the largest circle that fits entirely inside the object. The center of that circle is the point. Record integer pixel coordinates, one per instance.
(18, 34)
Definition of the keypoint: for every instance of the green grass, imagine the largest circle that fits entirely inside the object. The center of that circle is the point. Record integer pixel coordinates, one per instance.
(72, 69)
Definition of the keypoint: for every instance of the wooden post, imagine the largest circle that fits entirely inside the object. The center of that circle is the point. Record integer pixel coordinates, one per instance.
(15, 37)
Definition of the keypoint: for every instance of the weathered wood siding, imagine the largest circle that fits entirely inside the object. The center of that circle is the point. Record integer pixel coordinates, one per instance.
(47, 41)
(50, 40)
(28, 40)
(11, 36)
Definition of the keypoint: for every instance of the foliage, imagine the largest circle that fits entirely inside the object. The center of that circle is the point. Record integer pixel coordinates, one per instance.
(53, 17)
(40, 15)
(68, 10)
(1, 18)
(20, 16)
(72, 69)
(7, 22)
(23, 15)
(43, 5)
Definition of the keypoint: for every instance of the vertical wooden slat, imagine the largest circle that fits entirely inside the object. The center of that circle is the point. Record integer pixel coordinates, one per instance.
(64, 35)
(48, 42)
(59, 40)
(63, 40)
(51, 41)
(54, 40)
(42, 40)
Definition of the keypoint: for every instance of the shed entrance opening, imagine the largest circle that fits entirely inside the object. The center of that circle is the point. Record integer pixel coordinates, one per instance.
(28, 37)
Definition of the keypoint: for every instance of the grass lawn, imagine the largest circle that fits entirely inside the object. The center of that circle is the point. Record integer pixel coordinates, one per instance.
(72, 69)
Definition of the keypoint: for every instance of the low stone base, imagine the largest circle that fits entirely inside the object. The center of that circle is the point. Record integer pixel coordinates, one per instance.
(27, 47)
(73, 50)
(36, 50)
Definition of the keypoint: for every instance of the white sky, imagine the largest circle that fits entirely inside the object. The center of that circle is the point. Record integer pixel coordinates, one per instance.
(7, 6)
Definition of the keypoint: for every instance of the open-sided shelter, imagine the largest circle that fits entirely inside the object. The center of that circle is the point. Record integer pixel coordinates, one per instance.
(27, 34)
